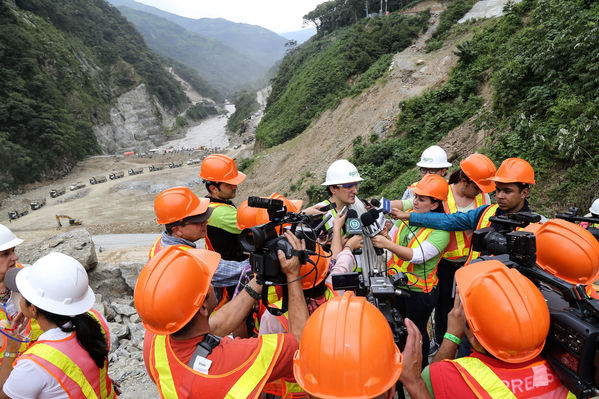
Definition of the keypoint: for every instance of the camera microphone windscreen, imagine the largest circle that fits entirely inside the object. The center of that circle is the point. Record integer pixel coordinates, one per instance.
(353, 225)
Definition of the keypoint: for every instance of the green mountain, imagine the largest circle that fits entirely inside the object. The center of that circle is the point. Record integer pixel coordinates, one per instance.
(222, 67)
(63, 63)
(259, 44)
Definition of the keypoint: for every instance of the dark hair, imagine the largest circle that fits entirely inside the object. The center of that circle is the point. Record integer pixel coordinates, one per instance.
(211, 183)
(457, 176)
(87, 330)
(522, 186)
(329, 191)
(440, 208)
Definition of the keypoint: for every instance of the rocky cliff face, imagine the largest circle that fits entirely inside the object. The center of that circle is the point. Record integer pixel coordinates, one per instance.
(136, 123)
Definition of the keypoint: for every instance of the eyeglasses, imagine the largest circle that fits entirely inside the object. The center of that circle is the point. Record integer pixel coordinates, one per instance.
(426, 171)
(349, 185)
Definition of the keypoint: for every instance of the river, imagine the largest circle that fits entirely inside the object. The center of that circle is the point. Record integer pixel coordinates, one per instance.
(211, 133)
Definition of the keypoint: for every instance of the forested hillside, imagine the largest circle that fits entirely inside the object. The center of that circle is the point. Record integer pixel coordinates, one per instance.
(62, 65)
(538, 61)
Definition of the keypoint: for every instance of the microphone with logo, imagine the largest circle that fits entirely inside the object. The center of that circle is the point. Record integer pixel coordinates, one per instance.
(353, 226)
(372, 225)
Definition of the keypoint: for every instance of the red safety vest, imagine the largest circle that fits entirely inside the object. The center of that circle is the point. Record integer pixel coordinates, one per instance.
(176, 380)
(70, 364)
(483, 221)
(483, 380)
(459, 241)
(395, 264)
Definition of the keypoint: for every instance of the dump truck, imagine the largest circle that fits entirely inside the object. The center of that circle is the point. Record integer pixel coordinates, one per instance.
(71, 220)
(175, 165)
(76, 186)
(193, 161)
(154, 168)
(55, 192)
(97, 179)
(17, 213)
(37, 203)
(135, 171)
(116, 175)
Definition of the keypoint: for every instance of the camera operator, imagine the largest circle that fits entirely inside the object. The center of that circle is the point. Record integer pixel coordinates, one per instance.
(593, 212)
(507, 321)
(416, 252)
(512, 181)
(174, 298)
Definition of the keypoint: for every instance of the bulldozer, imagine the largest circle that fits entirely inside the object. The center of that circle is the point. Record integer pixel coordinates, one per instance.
(72, 222)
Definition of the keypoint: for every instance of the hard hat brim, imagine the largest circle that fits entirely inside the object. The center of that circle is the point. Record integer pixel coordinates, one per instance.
(235, 180)
(419, 191)
(11, 244)
(199, 218)
(501, 179)
(341, 181)
(486, 185)
(441, 165)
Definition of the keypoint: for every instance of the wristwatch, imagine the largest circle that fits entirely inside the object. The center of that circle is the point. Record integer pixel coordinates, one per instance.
(11, 354)
(252, 292)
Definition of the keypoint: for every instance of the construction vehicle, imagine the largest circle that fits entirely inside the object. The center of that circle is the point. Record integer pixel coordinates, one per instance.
(76, 186)
(55, 192)
(97, 179)
(72, 222)
(154, 168)
(17, 213)
(37, 203)
(116, 175)
(135, 171)
(194, 161)
(175, 165)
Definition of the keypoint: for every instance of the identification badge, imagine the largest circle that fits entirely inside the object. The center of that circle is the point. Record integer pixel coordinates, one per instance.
(201, 364)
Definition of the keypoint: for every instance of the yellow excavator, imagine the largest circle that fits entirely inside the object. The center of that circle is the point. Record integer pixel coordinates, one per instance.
(72, 222)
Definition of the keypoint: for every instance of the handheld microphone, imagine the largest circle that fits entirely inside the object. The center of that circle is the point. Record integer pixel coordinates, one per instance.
(383, 206)
(328, 207)
(353, 225)
(326, 219)
(372, 227)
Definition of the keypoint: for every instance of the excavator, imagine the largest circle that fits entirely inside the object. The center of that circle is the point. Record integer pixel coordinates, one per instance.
(72, 222)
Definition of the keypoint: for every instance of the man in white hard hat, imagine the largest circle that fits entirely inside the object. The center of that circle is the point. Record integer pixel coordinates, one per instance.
(593, 213)
(432, 161)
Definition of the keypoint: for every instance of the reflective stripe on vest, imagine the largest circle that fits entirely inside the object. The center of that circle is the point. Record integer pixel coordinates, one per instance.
(492, 386)
(329, 224)
(396, 264)
(157, 247)
(459, 241)
(170, 373)
(483, 221)
(70, 364)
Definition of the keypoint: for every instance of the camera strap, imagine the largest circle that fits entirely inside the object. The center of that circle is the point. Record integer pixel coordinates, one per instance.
(199, 361)
(284, 305)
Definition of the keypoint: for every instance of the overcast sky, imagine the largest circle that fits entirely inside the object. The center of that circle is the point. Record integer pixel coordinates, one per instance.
(277, 15)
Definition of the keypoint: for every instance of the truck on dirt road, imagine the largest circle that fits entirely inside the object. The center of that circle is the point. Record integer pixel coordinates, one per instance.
(154, 168)
(37, 203)
(116, 175)
(55, 192)
(175, 164)
(17, 213)
(97, 179)
(135, 171)
(76, 186)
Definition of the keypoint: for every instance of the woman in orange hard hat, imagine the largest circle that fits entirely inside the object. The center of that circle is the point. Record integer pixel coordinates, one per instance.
(416, 252)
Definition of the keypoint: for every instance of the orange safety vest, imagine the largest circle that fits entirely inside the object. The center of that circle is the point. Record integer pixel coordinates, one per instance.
(176, 380)
(483, 221)
(395, 264)
(284, 388)
(70, 364)
(459, 241)
(214, 205)
(489, 385)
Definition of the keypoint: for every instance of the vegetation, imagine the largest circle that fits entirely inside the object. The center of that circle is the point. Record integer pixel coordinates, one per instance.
(62, 64)
(541, 62)
(245, 106)
(318, 74)
(448, 18)
(192, 77)
(197, 112)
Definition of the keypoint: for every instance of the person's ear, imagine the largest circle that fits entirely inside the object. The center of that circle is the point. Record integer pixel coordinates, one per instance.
(525, 192)
(435, 205)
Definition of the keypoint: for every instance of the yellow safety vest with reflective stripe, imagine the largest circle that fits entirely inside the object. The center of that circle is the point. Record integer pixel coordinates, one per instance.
(396, 264)
(487, 379)
(483, 221)
(175, 380)
(459, 241)
(329, 224)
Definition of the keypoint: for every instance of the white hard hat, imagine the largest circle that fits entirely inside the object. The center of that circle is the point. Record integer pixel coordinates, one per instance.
(341, 172)
(594, 209)
(8, 239)
(434, 157)
(55, 283)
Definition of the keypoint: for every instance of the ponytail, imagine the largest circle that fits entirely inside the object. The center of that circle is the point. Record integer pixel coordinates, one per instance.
(87, 330)
(456, 176)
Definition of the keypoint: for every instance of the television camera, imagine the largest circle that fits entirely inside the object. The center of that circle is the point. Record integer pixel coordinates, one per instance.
(572, 345)
(572, 216)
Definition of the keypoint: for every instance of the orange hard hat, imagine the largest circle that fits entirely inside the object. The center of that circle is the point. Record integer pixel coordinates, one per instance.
(249, 216)
(347, 351)
(479, 168)
(567, 251)
(177, 203)
(514, 170)
(220, 168)
(172, 287)
(494, 295)
(432, 186)
(313, 278)
(292, 205)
